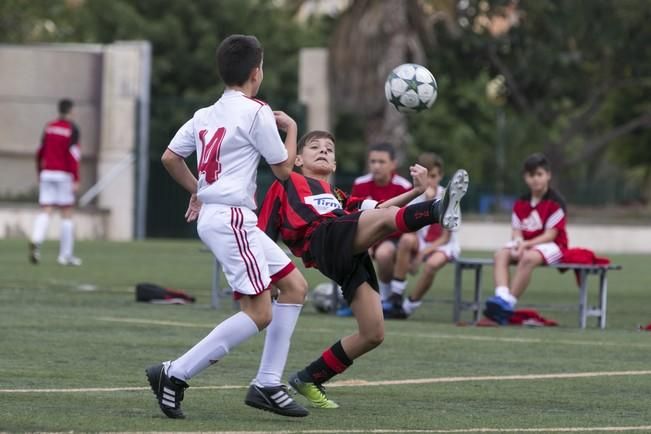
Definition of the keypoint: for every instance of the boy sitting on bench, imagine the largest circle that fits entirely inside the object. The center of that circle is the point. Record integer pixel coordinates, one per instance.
(538, 237)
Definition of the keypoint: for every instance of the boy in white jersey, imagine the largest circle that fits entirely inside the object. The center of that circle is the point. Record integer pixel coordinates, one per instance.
(229, 138)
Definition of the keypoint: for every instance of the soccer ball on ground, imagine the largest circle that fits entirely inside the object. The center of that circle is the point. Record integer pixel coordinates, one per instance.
(410, 88)
(323, 299)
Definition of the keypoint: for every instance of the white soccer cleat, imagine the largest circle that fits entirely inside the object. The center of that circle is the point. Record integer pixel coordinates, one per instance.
(449, 209)
(69, 261)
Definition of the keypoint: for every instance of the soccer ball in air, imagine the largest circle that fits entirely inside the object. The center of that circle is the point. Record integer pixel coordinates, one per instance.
(411, 88)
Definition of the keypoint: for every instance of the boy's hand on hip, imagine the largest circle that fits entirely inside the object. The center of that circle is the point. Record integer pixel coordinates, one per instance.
(193, 209)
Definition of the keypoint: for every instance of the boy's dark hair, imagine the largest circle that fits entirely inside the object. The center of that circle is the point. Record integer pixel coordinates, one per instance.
(65, 105)
(384, 147)
(535, 161)
(237, 56)
(315, 134)
(430, 160)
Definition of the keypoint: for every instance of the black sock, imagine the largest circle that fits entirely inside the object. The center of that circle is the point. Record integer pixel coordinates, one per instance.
(410, 218)
(333, 361)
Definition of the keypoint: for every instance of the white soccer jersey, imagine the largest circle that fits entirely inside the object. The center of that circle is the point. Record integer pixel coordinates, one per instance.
(229, 138)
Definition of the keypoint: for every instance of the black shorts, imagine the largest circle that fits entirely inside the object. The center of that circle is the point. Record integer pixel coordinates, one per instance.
(331, 247)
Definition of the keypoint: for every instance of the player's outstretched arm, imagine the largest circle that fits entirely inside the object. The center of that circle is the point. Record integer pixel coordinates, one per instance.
(419, 176)
(288, 125)
(179, 171)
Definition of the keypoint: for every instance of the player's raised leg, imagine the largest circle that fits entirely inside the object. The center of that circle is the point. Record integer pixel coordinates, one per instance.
(376, 224)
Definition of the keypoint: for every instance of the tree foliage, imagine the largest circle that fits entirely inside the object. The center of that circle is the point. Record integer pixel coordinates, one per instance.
(578, 82)
(577, 75)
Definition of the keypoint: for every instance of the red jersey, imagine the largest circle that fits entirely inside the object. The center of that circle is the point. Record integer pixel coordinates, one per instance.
(366, 188)
(59, 148)
(294, 208)
(549, 213)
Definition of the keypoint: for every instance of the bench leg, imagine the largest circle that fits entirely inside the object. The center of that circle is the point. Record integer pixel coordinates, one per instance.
(603, 296)
(456, 310)
(477, 294)
(583, 298)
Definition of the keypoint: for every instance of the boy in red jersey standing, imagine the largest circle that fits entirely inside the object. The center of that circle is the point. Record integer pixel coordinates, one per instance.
(538, 237)
(57, 163)
(333, 232)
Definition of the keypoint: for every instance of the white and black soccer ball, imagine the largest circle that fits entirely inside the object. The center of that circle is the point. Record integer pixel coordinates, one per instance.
(411, 88)
(323, 299)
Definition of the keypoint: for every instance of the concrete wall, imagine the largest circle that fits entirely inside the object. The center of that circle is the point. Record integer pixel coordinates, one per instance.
(32, 80)
(16, 221)
(313, 88)
(105, 83)
(600, 238)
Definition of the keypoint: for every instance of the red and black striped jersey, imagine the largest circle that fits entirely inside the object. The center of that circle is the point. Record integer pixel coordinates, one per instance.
(533, 220)
(294, 208)
(59, 149)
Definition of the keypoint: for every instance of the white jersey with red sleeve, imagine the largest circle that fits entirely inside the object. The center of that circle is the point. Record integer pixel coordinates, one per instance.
(534, 219)
(229, 138)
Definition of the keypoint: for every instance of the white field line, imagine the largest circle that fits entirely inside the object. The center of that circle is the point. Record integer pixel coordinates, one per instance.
(419, 335)
(365, 383)
(646, 428)
(521, 340)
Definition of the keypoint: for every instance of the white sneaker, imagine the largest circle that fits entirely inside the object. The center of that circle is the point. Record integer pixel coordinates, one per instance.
(70, 260)
(448, 207)
(410, 306)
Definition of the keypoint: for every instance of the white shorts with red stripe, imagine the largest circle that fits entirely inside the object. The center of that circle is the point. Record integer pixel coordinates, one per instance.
(250, 259)
(550, 251)
(451, 250)
(55, 188)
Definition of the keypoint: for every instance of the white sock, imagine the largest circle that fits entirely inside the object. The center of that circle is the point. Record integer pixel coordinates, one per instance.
(385, 290)
(276, 343)
(504, 293)
(227, 335)
(398, 286)
(410, 306)
(40, 227)
(67, 238)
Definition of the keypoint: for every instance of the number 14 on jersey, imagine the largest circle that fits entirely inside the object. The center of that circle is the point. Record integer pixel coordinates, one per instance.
(209, 165)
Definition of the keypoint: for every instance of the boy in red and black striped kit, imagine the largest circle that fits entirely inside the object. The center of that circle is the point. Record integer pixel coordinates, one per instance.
(332, 232)
(538, 237)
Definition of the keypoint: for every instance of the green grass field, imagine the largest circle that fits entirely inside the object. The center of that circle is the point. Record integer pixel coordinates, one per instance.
(74, 345)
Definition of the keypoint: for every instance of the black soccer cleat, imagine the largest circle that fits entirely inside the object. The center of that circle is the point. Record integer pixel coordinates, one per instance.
(395, 311)
(274, 399)
(448, 207)
(34, 253)
(168, 391)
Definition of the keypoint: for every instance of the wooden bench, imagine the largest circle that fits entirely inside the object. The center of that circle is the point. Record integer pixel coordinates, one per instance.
(583, 271)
